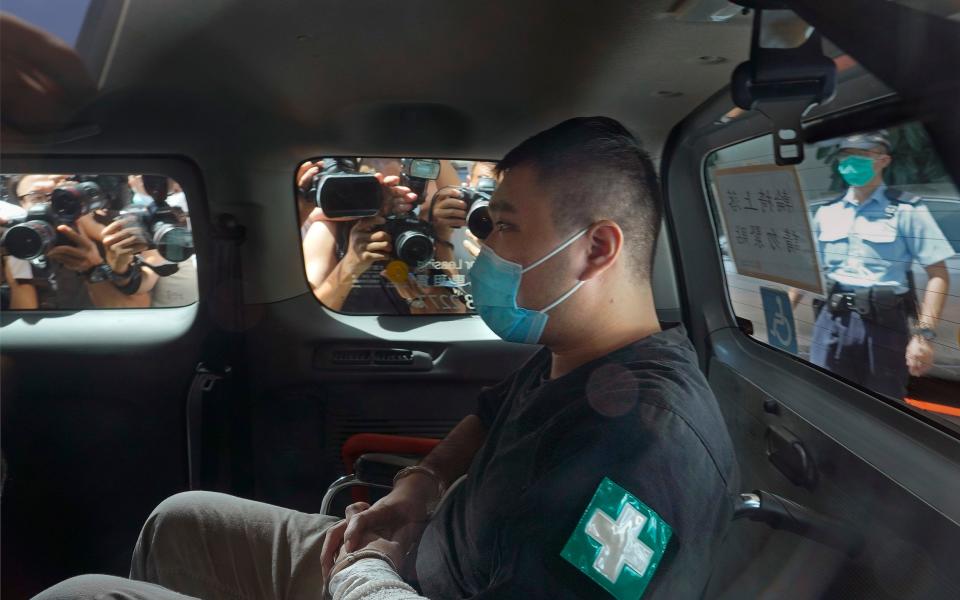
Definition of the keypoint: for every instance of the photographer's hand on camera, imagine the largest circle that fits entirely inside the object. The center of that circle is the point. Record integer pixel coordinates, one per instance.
(471, 244)
(81, 256)
(448, 212)
(397, 199)
(366, 246)
(305, 174)
(121, 242)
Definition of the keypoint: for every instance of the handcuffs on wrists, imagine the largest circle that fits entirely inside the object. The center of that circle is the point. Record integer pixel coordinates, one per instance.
(404, 472)
(351, 557)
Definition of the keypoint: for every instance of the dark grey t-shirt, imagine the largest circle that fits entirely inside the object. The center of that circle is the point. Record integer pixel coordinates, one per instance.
(643, 416)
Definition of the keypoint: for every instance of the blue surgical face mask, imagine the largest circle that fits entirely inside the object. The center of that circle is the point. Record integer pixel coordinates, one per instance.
(856, 170)
(494, 284)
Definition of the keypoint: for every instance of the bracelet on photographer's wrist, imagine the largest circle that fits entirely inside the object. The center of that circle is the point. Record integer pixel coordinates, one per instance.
(132, 286)
(136, 263)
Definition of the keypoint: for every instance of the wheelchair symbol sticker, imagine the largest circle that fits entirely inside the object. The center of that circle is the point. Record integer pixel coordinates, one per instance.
(781, 331)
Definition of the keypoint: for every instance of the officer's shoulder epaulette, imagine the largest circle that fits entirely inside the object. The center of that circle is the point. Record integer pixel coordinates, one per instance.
(897, 196)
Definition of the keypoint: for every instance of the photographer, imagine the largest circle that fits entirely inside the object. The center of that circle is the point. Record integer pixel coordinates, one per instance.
(308, 211)
(345, 259)
(94, 269)
(176, 281)
(444, 209)
(339, 253)
(16, 274)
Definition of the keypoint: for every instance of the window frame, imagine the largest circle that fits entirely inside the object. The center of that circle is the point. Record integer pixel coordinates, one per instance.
(716, 222)
(179, 168)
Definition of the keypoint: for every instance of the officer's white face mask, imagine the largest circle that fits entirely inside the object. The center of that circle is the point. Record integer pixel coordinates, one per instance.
(495, 282)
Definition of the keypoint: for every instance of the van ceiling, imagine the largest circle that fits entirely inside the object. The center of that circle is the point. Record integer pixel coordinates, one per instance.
(417, 76)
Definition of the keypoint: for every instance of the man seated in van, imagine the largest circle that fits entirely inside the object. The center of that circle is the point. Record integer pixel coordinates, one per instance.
(600, 467)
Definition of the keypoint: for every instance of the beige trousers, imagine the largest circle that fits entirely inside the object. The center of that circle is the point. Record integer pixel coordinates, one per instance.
(214, 546)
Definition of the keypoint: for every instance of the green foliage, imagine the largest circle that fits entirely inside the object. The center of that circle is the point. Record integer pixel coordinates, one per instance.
(914, 160)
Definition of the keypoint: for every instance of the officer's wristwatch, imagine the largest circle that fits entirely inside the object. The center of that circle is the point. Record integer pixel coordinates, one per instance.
(924, 332)
(99, 273)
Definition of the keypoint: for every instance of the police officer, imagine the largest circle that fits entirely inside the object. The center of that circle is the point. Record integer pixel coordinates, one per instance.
(870, 329)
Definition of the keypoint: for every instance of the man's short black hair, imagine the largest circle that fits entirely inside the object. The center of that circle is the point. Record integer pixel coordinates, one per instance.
(595, 169)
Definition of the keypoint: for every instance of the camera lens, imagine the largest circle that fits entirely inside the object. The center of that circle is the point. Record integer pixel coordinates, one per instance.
(29, 240)
(414, 248)
(478, 219)
(68, 204)
(92, 196)
(174, 243)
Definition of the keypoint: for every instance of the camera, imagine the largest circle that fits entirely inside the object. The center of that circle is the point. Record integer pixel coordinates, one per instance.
(349, 195)
(33, 235)
(413, 239)
(165, 228)
(417, 172)
(478, 211)
(342, 192)
(478, 202)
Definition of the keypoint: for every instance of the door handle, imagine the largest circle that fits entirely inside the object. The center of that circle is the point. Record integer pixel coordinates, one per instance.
(787, 515)
(788, 454)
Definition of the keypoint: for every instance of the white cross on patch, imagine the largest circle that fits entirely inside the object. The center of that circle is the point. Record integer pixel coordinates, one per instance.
(619, 542)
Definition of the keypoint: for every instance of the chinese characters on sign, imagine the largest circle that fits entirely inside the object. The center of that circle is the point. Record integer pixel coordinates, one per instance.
(768, 230)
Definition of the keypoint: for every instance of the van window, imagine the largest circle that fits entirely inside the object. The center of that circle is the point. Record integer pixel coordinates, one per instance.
(82, 241)
(849, 260)
(393, 236)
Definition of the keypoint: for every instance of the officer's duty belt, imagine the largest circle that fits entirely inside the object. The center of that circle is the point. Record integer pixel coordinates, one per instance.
(870, 302)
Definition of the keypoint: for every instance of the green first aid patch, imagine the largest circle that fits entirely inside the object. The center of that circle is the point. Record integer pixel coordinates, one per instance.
(618, 542)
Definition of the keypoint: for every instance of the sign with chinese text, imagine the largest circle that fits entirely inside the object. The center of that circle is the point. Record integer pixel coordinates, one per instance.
(768, 230)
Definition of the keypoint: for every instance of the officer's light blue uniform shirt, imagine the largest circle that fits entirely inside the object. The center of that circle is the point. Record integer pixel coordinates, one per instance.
(876, 242)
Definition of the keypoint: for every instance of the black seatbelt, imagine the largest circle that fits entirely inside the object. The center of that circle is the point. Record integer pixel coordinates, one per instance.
(215, 404)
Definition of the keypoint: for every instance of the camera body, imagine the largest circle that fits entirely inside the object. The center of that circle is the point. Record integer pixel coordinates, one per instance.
(478, 206)
(34, 234)
(342, 192)
(413, 240)
(164, 228)
(478, 211)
